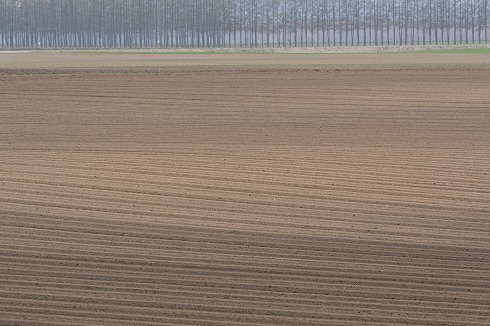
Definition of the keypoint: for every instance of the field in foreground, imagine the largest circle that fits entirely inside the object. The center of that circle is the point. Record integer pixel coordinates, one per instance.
(277, 197)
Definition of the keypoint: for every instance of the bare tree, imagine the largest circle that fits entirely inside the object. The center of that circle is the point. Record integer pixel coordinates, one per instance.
(248, 23)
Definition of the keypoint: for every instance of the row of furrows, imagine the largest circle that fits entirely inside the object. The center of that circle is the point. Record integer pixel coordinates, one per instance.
(316, 301)
(238, 223)
(259, 181)
(247, 215)
(118, 306)
(154, 293)
(333, 188)
(302, 220)
(208, 282)
(302, 112)
(279, 98)
(240, 181)
(181, 88)
(201, 318)
(190, 195)
(388, 171)
(392, 170)
(209, 218)
(323, 128)
(252, 155)
(145, 234)
(365, 255)
(245, 192)
(143, 284)
(247, 260)
(166, 228)
(282, 155)
(303, 212)
(50, 319)
(348, 264)
(338, 108)
(160, 310)
(255, 269)
(231, 192)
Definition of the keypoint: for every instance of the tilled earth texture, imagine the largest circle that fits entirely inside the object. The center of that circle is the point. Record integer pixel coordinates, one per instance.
(311, 190)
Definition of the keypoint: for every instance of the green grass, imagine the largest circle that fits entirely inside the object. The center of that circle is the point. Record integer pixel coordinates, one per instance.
(156, 51)
(461, 51)
(250, 51)
(258, 51)
(451, 51)
(144, 52)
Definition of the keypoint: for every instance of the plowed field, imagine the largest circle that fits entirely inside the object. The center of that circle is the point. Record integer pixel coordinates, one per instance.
(245, 197)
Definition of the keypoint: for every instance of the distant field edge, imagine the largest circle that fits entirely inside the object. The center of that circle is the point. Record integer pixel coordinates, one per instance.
(192, 70)
(156, 72)
(440, 48)
(467, 57)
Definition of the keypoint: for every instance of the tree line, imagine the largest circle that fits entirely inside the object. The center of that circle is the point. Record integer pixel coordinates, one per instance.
(239, 23)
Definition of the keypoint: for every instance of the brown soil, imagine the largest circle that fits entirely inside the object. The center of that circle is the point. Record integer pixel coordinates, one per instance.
(153, 62)
(245, 198)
